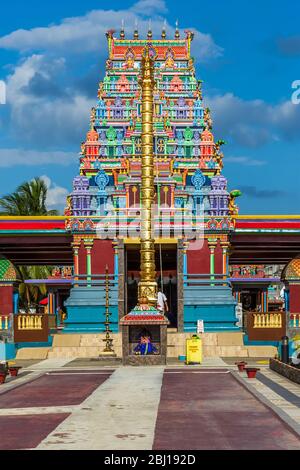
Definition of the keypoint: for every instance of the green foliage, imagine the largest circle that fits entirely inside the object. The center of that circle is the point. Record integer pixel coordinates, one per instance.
(28, 199)
(236, 193)
(30, 294)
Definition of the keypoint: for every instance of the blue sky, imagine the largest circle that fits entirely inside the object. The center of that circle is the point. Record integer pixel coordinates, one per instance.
(52, 58)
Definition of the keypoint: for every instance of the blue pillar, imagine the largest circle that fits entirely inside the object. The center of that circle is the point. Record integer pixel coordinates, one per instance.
(287, 299)
(184, 265)
(16, 302)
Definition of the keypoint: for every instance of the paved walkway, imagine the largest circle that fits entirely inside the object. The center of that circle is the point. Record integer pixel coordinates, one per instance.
(121, 414)
(56, 405)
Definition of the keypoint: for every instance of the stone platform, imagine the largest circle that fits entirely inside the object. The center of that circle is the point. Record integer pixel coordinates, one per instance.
(222, 344)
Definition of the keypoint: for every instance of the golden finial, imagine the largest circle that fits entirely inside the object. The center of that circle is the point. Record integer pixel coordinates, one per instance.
(149, 35)
(163, 33)
(122, 32)
(136, 33)
(177, 34)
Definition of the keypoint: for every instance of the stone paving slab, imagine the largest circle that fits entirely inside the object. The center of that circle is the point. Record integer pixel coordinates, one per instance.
(37, 410)
(53, 390)
(214, 411)
(51, 364)
(251, 361)
(119, 415)
(202, 407)
(94, 362)
(26, 432)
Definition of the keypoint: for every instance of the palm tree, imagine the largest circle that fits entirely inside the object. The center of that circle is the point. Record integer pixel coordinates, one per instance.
(31, 294)
(28, 199)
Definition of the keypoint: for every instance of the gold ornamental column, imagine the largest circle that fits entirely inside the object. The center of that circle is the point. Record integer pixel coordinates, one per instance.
(147, 285)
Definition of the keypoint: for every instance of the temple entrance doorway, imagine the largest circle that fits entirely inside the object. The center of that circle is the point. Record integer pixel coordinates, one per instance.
(166, 267)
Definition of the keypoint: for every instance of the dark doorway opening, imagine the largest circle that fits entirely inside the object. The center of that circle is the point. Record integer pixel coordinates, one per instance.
(166, 267)
(250, 299)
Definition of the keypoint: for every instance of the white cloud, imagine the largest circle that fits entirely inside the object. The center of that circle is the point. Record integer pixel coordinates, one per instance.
(247, 161)
(56, 195)
(46, 119)
(253, 123)
(19, 157)
(82, 34)
(148, 7)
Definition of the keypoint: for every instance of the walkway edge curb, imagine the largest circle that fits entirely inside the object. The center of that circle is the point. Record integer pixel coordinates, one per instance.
(287, 420)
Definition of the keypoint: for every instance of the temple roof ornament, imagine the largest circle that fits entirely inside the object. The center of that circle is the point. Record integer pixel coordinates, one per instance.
(111, 133)
(81, 183)
(102, 180)
(219, 183)
(136, 33)
(149, 34)
(7, 271)
(163, 33)
(122, 32)
(207, 119)
(292, 271)
(188, 133)
(198, 180)
(207, 136)
(177, 34)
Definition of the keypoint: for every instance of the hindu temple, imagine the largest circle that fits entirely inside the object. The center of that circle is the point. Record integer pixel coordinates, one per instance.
(194, 210)
(151, 210)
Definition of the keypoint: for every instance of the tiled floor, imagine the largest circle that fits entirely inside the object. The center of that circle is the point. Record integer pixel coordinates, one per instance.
(82, 404)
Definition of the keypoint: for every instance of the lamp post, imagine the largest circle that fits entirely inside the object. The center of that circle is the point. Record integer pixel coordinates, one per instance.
(108, 350)
(147, 288)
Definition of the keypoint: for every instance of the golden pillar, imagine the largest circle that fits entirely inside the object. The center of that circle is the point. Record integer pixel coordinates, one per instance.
(147, 285)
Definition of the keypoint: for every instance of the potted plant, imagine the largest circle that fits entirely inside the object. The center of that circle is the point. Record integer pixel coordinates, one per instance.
(3, 371)
(241, 365)
(14, 370)
(2, 377)
(251, 372)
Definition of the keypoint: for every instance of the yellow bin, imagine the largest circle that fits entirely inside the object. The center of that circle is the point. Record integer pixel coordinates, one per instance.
(194, 350)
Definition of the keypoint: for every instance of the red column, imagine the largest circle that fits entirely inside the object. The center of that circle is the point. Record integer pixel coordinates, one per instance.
(294, 298)
(6, 299)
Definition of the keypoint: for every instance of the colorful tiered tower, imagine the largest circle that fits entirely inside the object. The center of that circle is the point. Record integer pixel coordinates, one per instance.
(195, 212)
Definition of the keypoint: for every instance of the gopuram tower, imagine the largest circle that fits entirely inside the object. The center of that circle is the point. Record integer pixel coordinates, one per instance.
(193, 212)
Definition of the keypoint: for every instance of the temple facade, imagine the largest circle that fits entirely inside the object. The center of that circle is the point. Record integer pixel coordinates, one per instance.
(194, 210)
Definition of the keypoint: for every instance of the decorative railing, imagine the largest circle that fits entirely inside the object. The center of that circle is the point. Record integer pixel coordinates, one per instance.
(198, 280)
(269, 326)
(95, 280)
(4, 322)
(294, 320)
(267, 320)
(30, 328)
(29, 322)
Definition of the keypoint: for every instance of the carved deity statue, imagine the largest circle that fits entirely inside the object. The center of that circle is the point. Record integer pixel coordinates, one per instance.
(100, 90)
(207, 119)
(199, 89)
(219, 156)
(93, 117)
(233, 209)
(68, 209)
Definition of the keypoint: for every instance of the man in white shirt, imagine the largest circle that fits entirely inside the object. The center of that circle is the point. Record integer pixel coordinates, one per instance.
(162, 304)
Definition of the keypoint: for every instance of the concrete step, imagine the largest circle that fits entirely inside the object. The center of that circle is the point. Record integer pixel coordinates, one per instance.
(73, 352)
(33, 353)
